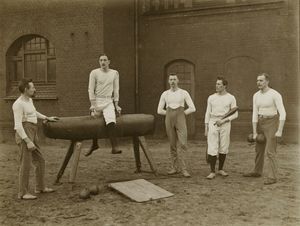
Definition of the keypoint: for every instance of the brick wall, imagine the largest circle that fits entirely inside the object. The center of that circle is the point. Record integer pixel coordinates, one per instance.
(76, 30)
(237, 44)
(119, 46)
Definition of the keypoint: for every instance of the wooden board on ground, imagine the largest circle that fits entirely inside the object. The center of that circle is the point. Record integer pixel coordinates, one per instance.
(140, 190)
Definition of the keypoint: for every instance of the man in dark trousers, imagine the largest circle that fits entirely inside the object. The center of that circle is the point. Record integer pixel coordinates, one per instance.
(267, 103)
(25, 119)
(174, 100)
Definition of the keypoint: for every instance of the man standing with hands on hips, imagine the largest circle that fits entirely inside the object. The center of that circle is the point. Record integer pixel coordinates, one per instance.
(174, 100)
(267, 103)
(217, 129)
(104, 97)
(25, 119)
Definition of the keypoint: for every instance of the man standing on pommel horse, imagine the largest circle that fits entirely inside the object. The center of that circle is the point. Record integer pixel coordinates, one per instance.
(104, 96)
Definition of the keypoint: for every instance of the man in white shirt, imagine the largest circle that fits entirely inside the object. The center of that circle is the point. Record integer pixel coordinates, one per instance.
(217, 130)
(25, 119)
(174, 100)
(104, 97)
(267, 103)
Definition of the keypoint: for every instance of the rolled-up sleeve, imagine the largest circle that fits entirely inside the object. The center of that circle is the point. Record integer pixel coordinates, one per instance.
(208, 111)
(18, 115)
(116, 87)
(191, 107)
(280, 107)
(161, 105)
(255, 110)
(91, 89)
(233, 105)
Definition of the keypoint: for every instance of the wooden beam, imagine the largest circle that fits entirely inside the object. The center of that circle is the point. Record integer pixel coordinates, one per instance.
(147, 153)
(74, 165)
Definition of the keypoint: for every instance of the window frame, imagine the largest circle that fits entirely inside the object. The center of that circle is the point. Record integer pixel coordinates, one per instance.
(46, 88)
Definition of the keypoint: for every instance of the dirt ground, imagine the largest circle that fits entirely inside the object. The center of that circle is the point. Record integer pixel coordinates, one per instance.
(234, 200)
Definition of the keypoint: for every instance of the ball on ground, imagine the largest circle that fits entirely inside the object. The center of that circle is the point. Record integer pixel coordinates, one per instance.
(94, 190)
(84, 193)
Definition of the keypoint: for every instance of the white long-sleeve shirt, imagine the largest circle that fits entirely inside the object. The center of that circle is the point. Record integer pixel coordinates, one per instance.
(103, 85)
(218, 105)
(267, 104)
(24, 111)
(175, 99)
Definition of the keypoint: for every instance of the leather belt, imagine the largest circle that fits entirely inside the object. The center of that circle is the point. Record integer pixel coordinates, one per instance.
(267, 116)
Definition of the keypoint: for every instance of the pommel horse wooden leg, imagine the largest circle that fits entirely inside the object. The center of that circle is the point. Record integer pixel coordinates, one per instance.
(65, 162)
(136, 150)
(74, 164)
(141, 141)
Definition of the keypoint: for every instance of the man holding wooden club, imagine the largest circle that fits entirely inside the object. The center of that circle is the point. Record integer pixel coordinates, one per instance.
(217, 127)
(25, 120)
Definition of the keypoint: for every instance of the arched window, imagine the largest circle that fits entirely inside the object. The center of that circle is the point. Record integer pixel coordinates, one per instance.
(32, 56)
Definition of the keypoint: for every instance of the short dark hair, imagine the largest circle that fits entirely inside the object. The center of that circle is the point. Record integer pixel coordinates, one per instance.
(224, 81)
(24, 83)
(266, 75)
(172, 74)
(103, 54)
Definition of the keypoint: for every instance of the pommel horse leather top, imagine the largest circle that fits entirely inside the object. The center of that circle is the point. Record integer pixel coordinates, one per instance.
(86, 127)
(77, 129)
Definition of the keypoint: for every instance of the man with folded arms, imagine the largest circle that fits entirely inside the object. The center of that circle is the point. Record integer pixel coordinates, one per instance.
(267, 103)
(25, 119)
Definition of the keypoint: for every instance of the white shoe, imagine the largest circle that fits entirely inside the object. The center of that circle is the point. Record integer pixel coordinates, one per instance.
(186, 173)
(27, 197)
(46, 190)
(172, 171)
(222, 173)
(211, 176)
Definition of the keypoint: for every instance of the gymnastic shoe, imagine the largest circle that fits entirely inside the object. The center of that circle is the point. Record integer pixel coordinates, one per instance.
(186, 173)
(115, 151)
(222, 173)
(92, 148)
(46, 190)
(270, 181)
(211, 176)
(27, 197)
(172, 172)
(251, 174)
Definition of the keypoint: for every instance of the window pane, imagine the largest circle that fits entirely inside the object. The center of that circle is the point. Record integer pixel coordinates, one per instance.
(51, 70)
(40, 69)
(18, 70)
(30, 67)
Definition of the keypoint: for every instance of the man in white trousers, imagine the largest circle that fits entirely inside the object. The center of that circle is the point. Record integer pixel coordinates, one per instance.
(217, 130)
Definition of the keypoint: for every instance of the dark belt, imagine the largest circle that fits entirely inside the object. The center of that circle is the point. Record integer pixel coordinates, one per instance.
(266, 116)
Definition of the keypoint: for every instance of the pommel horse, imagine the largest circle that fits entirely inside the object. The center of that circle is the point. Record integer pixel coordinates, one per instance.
(77, 129)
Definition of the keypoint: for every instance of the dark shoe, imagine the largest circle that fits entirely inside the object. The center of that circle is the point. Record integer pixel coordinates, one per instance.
(114, 151)
(252, 174)
(93, 148)
(270, 181)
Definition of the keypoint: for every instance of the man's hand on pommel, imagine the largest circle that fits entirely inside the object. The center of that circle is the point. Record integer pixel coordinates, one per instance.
(52, 119)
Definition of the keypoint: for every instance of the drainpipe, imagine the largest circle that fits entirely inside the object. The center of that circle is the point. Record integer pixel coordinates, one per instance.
(136, 46)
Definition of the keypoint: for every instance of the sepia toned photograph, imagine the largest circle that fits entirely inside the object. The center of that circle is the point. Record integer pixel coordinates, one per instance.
(149, 112)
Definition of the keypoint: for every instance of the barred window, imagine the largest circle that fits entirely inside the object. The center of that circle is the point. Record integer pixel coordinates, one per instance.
(32, 56)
